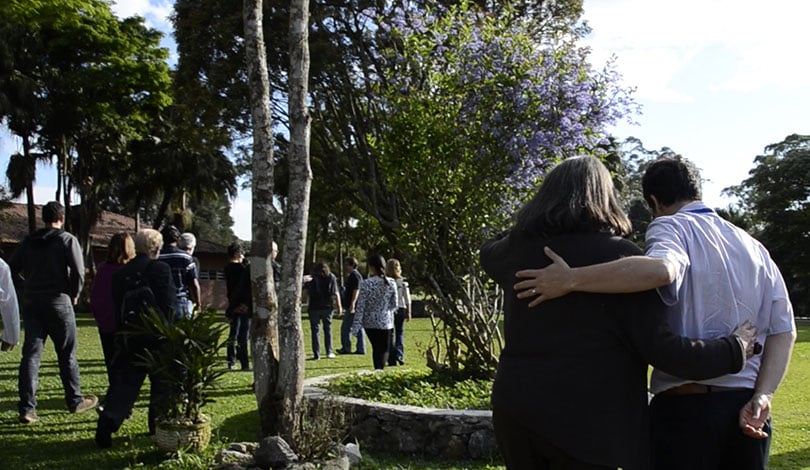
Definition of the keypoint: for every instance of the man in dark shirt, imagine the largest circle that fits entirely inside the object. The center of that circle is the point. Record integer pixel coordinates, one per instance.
(184, 272)
(237, 282)
(49, 263)
(351, 290)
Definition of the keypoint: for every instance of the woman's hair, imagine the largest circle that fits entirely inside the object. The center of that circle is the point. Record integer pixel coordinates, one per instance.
(235, 249)
(393, 268)
(121, 248)
(148, 242)
(576, 196)
(377, 262)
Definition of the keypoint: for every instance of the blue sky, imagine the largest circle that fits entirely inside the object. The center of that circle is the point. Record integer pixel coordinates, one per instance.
(718, 80)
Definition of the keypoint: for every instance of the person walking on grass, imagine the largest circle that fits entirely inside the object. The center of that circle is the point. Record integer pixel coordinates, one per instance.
(240, 301)
(9, 309)
(120, 250)
(188, 243)
(376, 304)
(184, 272)
(323, 290)
(396, 353)
(351, 289)
(144, 271)
(50, 266)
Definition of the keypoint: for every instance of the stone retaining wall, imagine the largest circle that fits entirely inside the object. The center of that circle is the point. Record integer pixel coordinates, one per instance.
(413, 430)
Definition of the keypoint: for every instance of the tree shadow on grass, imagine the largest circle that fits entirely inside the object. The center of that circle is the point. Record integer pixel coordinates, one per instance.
(243, 427)
(797, 459)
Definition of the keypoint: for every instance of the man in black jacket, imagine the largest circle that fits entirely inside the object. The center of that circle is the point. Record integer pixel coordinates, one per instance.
(50, 267)
(128, 375)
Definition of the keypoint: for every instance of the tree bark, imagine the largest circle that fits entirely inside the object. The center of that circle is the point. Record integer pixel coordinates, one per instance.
(291, 367)
(264, 326)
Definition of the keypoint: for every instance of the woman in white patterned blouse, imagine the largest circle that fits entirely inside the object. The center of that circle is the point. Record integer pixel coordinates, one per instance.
(375, 308)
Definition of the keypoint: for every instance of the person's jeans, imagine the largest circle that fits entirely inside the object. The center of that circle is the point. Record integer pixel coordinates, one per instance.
(44, 317)
(346, 338)
(182, 309)
(237, 348)
(397, 348)
(316, 317)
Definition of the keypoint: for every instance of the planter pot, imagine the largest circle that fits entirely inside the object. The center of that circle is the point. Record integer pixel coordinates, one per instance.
(193, 437)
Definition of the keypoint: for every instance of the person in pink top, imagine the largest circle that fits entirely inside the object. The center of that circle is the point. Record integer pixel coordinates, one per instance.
(120, 250)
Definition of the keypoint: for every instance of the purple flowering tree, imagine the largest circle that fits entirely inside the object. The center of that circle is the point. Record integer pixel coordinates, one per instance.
(473, 111)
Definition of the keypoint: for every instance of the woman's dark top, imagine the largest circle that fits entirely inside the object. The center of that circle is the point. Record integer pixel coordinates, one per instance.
(574, 369)
(237, 284)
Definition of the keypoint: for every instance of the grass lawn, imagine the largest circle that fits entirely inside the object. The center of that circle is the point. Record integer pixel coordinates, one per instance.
(64, 441)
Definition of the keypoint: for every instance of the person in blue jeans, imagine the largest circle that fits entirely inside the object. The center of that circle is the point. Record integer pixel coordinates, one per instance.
(350, 291)
(323, 289)
(396, 356)
(50, 267)
(240, 307)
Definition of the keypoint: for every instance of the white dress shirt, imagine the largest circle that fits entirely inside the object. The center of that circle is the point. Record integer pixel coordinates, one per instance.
(724, 277)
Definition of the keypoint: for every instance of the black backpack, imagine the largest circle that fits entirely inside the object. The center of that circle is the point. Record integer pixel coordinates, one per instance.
(138, 298)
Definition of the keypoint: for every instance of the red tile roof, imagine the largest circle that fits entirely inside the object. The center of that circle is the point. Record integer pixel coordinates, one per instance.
(14, 227)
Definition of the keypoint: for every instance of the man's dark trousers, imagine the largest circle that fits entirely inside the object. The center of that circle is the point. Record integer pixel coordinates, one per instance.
(702, 432)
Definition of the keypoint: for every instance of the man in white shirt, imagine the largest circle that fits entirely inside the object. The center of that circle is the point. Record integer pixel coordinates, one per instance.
(712, 276)
(9, 309)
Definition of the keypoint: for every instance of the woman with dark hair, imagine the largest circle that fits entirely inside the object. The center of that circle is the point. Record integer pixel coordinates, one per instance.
(323, 291)
(571, 386)
(120, 250)
(375, 308)
(239, 310)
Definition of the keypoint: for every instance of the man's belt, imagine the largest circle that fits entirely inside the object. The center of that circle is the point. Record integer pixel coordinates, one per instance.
(698, 389)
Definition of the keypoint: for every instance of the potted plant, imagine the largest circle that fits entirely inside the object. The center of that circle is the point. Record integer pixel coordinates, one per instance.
(186, 360)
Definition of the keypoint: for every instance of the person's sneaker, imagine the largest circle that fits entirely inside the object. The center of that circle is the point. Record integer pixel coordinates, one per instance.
(29, 417)
(232, 366)
(331, 355)
(88, 403)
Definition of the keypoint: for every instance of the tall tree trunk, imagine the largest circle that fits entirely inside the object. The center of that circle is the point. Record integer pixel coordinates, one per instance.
(291, 348)
(264, 325)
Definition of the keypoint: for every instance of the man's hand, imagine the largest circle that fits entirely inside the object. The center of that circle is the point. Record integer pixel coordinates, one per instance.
(545, 284)
(747, 333)
(754, 415)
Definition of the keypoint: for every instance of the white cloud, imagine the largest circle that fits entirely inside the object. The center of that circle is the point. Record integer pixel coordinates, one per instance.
(156, 12)
(657, 40)
(241, 212)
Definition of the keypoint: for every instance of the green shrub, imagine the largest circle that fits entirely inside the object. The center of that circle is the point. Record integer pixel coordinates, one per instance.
(418, 388)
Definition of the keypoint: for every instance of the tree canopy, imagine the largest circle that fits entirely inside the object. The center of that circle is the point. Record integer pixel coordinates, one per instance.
(776, 195)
